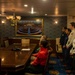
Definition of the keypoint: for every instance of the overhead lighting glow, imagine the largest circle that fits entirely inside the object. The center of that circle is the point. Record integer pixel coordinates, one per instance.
(13, 18)
(45, 14)
(56, 22)
(3, 21)
(2, 59)
(56, 10)
(44, 0)
(25, 5)
(38, 20)
(32, 10)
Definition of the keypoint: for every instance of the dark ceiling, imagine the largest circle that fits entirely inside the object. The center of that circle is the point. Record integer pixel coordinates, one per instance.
(41, 7)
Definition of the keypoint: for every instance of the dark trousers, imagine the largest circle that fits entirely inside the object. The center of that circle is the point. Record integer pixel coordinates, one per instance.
(73, 64)
(68, 60)
(64, 52)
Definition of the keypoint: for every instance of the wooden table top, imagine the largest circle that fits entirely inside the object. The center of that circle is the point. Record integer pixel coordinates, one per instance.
(15, 59)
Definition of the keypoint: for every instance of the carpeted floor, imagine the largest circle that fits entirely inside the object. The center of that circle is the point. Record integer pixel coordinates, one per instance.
(56, 67)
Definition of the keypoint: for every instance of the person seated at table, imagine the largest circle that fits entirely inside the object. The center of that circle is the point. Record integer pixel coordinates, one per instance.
(43, 37)
(37, 65)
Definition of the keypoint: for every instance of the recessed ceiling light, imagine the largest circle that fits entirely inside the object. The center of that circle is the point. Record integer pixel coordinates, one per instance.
(25, 5)
(56, 10)
(32, 11)
(44, 0)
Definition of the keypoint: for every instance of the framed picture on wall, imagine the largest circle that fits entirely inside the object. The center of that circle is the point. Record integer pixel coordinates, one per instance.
(29, 27)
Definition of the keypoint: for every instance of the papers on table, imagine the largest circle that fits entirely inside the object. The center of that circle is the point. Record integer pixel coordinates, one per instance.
(25, 49)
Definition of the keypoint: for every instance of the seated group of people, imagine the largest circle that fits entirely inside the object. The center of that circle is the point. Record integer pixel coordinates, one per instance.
(38, 59)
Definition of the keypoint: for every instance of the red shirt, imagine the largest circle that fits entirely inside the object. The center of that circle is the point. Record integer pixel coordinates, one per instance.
(41, 57)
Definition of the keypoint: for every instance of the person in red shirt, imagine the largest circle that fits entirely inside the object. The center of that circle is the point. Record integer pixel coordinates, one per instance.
(43, 37)
(37, 65)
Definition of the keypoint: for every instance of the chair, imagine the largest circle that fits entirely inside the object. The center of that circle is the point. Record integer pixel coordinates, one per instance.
(25, 42)
(45, 68)
(6, 42)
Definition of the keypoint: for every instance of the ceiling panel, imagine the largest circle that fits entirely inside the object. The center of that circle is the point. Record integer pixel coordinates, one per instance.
(40, 7)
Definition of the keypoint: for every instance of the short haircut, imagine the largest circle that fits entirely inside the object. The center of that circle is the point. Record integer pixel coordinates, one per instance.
(65, 27)
(69, 29)
(44, 43)
(73, 24)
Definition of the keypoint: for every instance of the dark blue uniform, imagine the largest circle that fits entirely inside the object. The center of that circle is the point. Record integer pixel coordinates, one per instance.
(63, 41)
(64, 49)
(62, 38)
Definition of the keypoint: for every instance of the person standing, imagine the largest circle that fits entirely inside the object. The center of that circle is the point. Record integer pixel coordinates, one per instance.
(72, 52)
(71, 37)
(38, 64)
(62, 39)
(68, 31)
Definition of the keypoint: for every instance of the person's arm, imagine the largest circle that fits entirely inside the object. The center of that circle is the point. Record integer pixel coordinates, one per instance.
(65, 41)
(70, 41)
(39, 57)
(35, 54)
(36, 61)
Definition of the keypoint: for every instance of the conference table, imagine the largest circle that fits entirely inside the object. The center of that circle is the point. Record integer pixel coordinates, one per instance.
(15, 60)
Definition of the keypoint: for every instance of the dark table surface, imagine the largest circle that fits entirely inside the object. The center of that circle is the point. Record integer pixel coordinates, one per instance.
(15, 60)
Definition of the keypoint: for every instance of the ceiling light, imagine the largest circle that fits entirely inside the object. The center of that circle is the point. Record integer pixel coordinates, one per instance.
(2, 59)
(56, 22)
(44, 0)
(32, 10)
(13, 18)
(3, 21)
(25, 5)
(56, 10)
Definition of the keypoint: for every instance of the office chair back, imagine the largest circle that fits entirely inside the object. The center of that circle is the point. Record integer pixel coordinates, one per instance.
(25, 42)
(6, 42)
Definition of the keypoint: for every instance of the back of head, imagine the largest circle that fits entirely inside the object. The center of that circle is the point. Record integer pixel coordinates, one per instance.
(69, 29)
(43, 37)
(63, 29)
(73, 24)
(44, 43)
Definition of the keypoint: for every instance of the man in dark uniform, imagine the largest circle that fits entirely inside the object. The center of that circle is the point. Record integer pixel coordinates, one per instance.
(62, 39)
(63, 36)
(68, 31)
